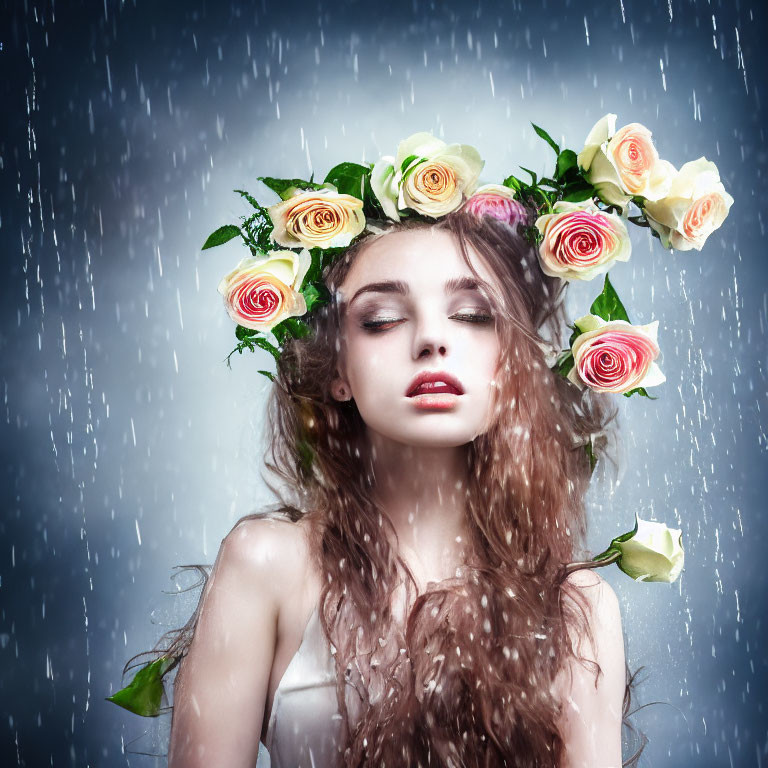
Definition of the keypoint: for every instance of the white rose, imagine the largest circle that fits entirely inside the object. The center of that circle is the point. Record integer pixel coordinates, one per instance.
(435, 181)
(653, 552)
(695, 206)
(624, 163)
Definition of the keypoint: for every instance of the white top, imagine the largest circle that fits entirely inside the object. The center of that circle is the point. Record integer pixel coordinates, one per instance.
(305, 724)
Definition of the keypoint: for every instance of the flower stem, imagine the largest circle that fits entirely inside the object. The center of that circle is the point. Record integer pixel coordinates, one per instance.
(604, 558)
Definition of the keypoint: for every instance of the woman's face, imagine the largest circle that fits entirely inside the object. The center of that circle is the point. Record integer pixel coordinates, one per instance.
(407, 312)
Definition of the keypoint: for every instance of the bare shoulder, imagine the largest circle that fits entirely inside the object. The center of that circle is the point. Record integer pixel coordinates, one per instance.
(601, 604)
(272, 550)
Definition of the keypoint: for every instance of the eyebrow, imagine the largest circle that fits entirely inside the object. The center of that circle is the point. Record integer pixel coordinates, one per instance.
(454, 285)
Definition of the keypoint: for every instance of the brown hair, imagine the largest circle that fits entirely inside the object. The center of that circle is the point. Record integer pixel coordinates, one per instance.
(467, 680)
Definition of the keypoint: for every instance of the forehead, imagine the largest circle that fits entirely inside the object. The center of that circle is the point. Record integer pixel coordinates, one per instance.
(424, 258)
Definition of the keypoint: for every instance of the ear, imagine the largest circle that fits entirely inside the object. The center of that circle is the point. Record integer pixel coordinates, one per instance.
(340, 388)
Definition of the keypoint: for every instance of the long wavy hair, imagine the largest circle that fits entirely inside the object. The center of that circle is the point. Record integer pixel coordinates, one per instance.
(467, 679)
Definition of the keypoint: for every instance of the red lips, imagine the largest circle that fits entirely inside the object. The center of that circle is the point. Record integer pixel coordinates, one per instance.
(434, 382)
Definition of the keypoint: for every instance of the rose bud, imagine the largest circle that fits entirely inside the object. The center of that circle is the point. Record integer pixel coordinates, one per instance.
(653, 552)
(497, 201)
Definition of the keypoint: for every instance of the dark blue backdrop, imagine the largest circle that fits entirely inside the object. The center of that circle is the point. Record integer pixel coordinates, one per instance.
(127, 445)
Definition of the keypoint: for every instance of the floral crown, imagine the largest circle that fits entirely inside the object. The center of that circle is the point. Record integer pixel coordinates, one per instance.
(580, 232)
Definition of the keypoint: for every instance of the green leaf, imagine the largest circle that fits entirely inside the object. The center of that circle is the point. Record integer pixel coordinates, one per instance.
(640, 391)
(269, 375)
(564, 362)
(591, 455)
(260, 341)
(544, 135)
(608, 304)
(348, 178)
(566, 161)
(408, 160)
(579, 195)
(311, 296)
(533, 175)
(245, 333)
(221, 235)
(143, 695)
(249, 198)
(285, 187)
(513, 183)
(298, 328)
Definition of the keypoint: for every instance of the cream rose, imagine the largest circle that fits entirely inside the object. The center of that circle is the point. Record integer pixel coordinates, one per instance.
(653, 552)
(694, 208)
(624, 163)
(262, 291)
(321, 218)
(615, 356)
(436, 181)
(580, 241)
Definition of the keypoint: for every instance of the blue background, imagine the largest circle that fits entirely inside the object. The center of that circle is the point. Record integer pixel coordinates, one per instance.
(127, 445)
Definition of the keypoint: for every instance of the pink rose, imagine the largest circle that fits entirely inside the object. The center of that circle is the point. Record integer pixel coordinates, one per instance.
(579, 241)
(499, 202)
(261, 292)
(615, 356)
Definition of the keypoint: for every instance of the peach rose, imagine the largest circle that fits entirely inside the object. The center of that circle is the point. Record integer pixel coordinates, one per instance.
(695, 207)
(321, 218)
(615, 356)
(435, 181)
(497, 201)
(624, 163)
(580, 241)
(262, 291)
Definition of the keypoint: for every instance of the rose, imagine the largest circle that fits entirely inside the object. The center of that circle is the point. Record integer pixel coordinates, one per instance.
(321, 218)
(615, 356)
(262, 291)
(624, 163)
(427, 175)
(694, 208)
(497, 201)
(580, 241)
(652, 552)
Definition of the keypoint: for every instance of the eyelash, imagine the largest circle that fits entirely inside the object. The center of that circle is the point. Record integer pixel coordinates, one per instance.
(377, 326)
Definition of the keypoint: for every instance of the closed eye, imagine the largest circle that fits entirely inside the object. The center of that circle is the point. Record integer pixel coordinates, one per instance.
(375, 326)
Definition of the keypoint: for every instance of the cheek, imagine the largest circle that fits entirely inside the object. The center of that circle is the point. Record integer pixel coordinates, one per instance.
(376, 359)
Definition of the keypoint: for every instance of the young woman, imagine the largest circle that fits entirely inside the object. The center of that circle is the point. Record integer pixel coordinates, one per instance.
(410, 605)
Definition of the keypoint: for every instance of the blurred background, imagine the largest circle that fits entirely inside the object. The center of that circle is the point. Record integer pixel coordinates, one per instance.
(128, 446)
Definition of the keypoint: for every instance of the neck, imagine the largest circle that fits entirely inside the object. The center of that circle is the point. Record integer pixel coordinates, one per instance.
(422, 490)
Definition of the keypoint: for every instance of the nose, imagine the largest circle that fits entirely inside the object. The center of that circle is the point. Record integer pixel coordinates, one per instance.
(430, 336)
